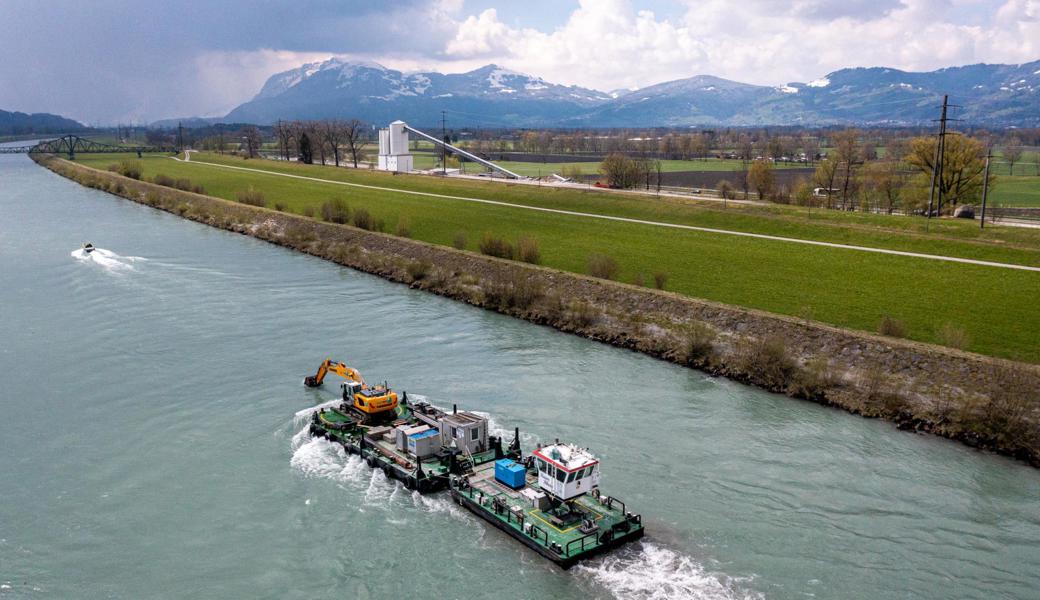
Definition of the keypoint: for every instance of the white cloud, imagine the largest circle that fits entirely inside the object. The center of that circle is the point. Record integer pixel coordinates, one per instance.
(609, 44)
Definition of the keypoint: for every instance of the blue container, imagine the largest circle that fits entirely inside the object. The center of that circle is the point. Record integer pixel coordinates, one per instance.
(510, 473)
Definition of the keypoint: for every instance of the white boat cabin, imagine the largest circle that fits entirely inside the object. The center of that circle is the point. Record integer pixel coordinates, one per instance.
(566, 471)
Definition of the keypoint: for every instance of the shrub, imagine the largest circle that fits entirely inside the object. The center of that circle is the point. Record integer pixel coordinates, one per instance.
(892, 327)
(198, 189)
(953, 336)
(528, 250)
(660, 280)
(603, 266)
(493, 246)
(581, 314)
(363, 220)
(308, 211)
(700, 343)
(164, 180)
(403, 228)
(252, 197)
(639, 280)
(766, 362)
(129, 168)
(725, 189)
(279, 207)
(183, 184)
(813, 380)
(512, 291)
(335, 211)
(418, 269)
(459, 242)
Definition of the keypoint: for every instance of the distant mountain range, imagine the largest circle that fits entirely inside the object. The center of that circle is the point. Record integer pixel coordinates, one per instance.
(19, 123)
(992, 95)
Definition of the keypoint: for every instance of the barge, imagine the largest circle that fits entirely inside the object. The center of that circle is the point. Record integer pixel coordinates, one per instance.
(549, 500)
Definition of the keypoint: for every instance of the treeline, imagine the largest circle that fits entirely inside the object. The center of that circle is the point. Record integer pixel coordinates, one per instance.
(325, 141)
(683, 144)
(850, 175)
(853, 175)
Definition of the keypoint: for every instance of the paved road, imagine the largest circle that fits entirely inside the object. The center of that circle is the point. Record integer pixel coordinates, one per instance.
(762, 236)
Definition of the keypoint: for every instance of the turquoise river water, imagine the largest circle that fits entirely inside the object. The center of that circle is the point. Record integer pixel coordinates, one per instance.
(150, 445)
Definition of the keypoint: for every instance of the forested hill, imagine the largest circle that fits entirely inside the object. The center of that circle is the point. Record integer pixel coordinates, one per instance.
(19, 123)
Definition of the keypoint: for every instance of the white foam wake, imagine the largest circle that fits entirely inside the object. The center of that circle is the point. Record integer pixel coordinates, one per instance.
(320, 458)
(646, 571)
(107, 259)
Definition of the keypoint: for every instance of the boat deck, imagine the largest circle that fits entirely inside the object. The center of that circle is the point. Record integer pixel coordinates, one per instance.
(608, 514)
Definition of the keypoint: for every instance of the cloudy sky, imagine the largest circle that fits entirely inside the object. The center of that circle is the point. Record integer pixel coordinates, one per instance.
(106, 61)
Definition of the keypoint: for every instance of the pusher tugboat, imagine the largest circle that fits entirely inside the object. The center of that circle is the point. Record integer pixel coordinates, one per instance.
(550, 500)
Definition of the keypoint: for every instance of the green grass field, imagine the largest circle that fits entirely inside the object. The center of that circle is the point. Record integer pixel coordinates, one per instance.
(847, 288)
(535, 168)
(1016, 191)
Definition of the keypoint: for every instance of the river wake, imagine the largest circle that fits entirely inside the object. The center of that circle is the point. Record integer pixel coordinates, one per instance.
(647, 571)
(106, 259)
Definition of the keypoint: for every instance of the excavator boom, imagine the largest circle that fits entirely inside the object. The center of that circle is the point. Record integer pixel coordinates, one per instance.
(331, 366)
(368, 401)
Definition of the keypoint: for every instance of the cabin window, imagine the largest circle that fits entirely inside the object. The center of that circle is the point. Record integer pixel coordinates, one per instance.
(570, 477)
(541, 466)
(455, 432)
(474, 434)
(561, 475)
(360, 402)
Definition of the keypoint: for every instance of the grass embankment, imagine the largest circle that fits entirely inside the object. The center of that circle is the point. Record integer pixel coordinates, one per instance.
(985, 309)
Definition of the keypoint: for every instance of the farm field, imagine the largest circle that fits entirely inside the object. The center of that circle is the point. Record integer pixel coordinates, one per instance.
(1016, 191)
(847, 288)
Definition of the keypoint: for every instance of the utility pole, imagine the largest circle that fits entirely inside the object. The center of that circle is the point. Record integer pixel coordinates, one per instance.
(180, 137)
(937, 163)
(985, 188)
(444, 149)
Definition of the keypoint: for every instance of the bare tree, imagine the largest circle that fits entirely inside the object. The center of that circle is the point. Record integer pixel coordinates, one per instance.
(825, 176)
(253, 140)
(285, 134)
(884, 182)
(1012, 153)
(333, 136)
(849, 155)
(353, 132)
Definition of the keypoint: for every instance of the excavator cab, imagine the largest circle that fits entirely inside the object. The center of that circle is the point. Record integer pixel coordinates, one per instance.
(369, 402)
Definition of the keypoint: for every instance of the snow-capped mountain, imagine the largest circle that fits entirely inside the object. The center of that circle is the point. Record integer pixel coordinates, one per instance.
(374, 93)
(994, 95)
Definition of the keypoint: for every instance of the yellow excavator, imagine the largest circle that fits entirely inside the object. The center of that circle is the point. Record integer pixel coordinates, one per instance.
(370, 402)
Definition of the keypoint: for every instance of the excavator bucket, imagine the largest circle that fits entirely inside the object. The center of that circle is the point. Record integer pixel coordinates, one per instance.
(319, 377)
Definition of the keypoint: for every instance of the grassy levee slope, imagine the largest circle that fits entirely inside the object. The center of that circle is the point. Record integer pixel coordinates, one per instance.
(995, 307)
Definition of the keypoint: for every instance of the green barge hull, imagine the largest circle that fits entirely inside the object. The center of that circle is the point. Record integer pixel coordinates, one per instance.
(605, 523)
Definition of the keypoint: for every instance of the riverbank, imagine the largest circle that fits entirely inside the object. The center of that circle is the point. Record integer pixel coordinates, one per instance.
(983, 402)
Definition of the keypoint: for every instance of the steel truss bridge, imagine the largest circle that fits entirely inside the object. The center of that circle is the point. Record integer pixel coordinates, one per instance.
(71, 145)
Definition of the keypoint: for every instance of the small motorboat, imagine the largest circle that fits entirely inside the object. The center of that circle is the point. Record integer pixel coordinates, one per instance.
(88, 247)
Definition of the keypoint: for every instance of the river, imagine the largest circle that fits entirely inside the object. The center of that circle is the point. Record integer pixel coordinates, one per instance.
(148, 445)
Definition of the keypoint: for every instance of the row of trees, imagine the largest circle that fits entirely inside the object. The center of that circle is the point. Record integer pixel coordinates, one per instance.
(850, 179)
(326, 140)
